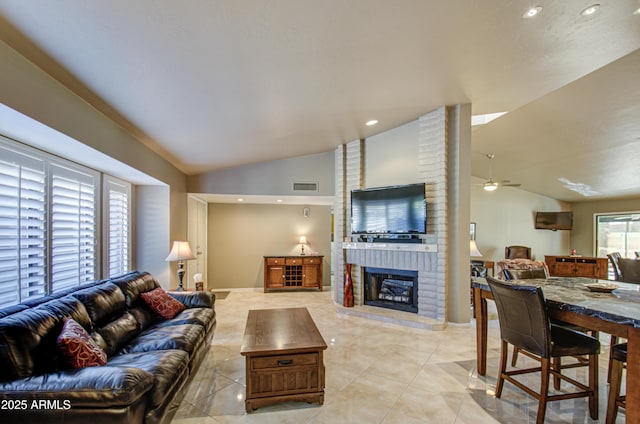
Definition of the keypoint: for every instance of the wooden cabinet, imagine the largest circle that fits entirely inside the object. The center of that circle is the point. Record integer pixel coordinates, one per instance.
(289, 272)
(577, 266)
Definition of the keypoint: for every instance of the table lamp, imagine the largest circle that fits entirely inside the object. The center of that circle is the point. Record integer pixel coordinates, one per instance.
(180, 252)
(302, 241)
(473, 249)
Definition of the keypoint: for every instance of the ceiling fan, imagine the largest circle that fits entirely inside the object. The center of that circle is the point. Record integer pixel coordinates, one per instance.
(491, 185)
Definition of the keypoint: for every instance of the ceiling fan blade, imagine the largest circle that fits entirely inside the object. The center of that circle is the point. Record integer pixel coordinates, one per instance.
(511, 185)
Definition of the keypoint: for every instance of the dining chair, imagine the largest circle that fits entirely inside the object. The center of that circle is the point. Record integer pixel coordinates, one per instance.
(629, 270)
(615, 401)
(517, 252)
(613, 258)
(525, 274)
(536, 335)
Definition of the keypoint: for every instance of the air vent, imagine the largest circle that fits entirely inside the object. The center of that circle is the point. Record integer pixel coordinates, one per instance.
(305, 186)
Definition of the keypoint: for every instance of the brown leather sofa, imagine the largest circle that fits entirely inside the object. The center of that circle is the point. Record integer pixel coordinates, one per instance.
(150, 359)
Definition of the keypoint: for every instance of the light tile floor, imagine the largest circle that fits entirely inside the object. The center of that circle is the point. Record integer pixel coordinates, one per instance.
(375, 373)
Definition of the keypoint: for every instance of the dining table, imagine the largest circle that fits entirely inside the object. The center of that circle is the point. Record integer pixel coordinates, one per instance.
(587, 302)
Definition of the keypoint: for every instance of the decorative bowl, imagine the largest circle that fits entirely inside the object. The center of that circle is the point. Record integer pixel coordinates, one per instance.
(602, 287)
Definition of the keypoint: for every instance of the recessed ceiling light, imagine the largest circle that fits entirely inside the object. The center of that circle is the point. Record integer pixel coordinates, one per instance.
(372, 122)
(637, 11)
(279, 200)
(590, 10)
(532, 12)
(240, 199)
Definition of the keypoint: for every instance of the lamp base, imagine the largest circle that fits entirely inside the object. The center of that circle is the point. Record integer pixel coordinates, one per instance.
(181, 272)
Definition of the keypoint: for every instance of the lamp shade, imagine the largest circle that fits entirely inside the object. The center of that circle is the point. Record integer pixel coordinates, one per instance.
(180, 251)
(302, 240)
(473, 249)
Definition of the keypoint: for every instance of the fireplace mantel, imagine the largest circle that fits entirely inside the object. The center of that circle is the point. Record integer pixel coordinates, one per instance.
(403, 247)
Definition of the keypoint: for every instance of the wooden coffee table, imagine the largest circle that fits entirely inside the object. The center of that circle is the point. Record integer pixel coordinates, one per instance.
(283, 350)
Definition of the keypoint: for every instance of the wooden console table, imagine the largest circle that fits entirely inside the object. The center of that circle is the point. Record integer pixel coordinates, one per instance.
(577, 266)
(290, 272)
(284, 357)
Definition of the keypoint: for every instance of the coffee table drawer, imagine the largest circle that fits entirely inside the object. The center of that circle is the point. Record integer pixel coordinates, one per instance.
(283, 361)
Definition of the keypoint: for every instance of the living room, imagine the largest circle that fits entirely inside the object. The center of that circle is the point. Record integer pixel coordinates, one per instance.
(46, 105)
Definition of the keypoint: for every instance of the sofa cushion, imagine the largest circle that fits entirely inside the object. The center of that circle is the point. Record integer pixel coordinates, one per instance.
(197, 299)
(161, 303)
(98, 387)
(134, 283)
(78, 348)
(28, 343)
(70, 307)
(119, 332)
(201, 316)
(168, 367)
(104, 302)
(185, 337)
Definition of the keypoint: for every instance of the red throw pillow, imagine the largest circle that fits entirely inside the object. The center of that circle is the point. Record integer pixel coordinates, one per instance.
(78, 348)
(162, 303)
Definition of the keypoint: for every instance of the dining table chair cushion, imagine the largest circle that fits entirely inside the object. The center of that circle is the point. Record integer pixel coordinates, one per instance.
(619, 352)
(568, 342)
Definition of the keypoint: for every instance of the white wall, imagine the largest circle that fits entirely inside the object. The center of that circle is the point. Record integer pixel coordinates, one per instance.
(506, 217)
(392, 157)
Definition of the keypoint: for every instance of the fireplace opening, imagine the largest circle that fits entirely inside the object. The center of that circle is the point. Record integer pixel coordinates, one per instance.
(391, 288)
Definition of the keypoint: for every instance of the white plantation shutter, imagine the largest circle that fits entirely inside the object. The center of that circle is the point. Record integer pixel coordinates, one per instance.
(73, 227)
(117, 212)
(22, 227)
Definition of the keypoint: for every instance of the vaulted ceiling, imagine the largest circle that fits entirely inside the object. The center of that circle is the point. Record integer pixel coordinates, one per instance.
(215, 84)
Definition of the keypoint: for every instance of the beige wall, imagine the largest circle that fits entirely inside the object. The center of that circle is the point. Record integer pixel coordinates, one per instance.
(506, 217)
(582, 238)
(241, 234)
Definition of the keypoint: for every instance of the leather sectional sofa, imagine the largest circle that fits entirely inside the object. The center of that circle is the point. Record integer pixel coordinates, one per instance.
(149, 358)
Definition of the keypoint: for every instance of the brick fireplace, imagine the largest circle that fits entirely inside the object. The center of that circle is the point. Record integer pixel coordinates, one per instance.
(434, 155)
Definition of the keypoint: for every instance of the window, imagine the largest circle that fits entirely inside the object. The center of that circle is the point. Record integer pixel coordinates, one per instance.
(619, 232)
(73, 227)
(49, 224)
(22, 227)
(117, 219)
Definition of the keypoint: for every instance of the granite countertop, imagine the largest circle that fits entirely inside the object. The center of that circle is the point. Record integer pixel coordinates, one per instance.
(622, 306)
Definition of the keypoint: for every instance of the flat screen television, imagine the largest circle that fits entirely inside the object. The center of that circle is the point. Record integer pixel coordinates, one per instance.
(554, 220)
(389, 210)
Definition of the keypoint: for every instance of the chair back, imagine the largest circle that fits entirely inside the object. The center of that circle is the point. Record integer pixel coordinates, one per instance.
(629, 270)
(517, 252)
(524, 274)
(523, 317)
(613, 258)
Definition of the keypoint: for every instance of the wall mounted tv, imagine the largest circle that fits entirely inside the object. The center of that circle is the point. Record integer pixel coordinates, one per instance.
(554, 220)
(389, 210)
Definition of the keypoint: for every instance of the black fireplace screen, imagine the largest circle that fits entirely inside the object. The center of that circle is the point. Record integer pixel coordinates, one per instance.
(391, 288)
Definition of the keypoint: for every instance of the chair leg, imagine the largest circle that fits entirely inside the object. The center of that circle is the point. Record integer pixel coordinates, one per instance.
(614, 391)
(545, 372)
(593, 386)
(556, 365)
(504, 347)
(514, 358)
(614, 341)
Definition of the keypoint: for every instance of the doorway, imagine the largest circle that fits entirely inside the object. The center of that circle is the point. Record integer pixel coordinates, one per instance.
(197, 211)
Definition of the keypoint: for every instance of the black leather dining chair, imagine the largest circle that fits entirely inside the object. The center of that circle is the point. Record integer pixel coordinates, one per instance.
(524, 323)
(613, 258)
(517, 252)
(629, 270)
